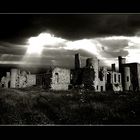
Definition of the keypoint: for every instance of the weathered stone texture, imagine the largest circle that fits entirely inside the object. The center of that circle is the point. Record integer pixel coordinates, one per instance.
(127, 79)
(13, 81)
(55, 79)
(31, 80)
(76, 77)
(44, 80)
(114, 81)
(138, 73)
(134, 76)
(88, 78)
(101, 79)
(60, 79)
(92, 76)
(18, 79)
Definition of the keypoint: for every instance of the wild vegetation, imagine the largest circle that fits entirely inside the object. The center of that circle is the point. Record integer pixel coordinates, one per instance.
(36, 106)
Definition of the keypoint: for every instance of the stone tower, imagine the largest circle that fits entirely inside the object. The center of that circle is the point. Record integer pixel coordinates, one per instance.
(14, 73)
(113, 67)
(121, 69)
(93, 63)
(127, 80)
(77, 61)
(121, 62)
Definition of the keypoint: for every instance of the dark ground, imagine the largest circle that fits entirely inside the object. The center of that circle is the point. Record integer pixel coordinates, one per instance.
(36, 106)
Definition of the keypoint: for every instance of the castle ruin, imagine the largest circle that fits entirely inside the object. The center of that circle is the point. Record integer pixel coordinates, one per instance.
(92, 76)
(18, 79)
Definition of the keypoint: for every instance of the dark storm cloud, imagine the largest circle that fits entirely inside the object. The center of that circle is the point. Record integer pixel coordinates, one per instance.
(75, 27)
(18, 28)
(15, 30)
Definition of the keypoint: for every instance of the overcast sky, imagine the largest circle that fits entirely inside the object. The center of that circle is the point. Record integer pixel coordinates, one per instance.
(105, 36)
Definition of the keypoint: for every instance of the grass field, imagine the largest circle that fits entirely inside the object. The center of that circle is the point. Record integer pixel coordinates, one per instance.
(35, 106)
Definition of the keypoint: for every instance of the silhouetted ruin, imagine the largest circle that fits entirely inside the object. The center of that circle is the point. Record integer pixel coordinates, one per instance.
(92, 76)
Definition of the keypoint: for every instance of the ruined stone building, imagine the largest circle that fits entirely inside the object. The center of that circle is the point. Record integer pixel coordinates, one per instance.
(130, 75)
(113, 79)
(95, 77)
(17, 78)
(54, 79)
(98, 78)
(92, 76)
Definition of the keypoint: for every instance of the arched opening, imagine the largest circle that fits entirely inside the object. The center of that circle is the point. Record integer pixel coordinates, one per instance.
(57, 77)
(2, 85)
(9, 84)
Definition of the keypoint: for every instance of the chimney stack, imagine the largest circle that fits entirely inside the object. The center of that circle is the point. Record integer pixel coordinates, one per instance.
(113, 67)
(77, 61)
(121, 62)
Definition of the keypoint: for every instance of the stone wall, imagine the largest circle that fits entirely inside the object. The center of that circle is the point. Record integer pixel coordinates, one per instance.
(60, 79)
(18, 79)
(134, 75)
(88, 78)
(127, 80)
(5, 81)
(31, 80)
(44, 80)
(138, 71)
(115, 83)
(91, 76)
(101, 79)
(14, 78)
(25, 79)
(76, 77)
(101, 86)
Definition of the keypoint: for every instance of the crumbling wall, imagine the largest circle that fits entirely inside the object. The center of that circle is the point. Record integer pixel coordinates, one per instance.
(17, 79)
(88, 78)
(138, 75)
(60, 79)
(44, 80)
(91, 77)
(14, 83)
(25, 79)
(31, 80)
(127, 80)
(39, 79)
(5, 81)
(101, 79)
(134, 74)
(76, 77)
(115, 83)
(22, 81)
(2, 82)
(90, 73)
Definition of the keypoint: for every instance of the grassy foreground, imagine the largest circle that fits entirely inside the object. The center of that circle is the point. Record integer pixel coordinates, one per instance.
(35, 106)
